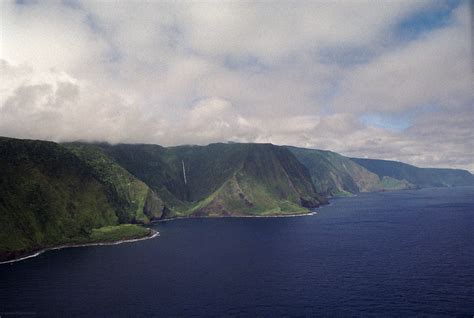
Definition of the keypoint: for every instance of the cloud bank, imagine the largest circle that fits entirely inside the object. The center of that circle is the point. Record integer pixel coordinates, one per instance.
(389, 80)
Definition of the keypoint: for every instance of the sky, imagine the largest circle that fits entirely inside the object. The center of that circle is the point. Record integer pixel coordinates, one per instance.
(371, 79)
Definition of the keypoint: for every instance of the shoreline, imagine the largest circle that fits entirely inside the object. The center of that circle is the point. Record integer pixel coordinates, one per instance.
(236, 216)
(153, 233)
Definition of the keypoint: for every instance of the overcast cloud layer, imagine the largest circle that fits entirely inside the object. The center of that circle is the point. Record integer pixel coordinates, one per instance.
(378, 79)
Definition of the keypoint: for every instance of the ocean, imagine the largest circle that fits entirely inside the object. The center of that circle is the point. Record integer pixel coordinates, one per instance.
(402, 253)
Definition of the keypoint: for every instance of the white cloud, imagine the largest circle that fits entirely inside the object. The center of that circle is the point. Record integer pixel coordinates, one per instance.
(56, 106)
(435, 70)
(47, 36)
(181, 72)
(270, 32)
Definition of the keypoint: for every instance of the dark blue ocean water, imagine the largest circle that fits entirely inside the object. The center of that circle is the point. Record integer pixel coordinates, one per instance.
(401, 253)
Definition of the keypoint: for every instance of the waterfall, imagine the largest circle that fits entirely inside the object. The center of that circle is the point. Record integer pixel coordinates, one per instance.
(184, 172)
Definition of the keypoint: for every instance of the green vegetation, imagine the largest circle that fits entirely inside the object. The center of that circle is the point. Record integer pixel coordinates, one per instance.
(419, 177)
(389, 183)
(222, 179)
(118, 232)
(54, 194)
(50, 196)
(134, 201)
(47, 196)
(336, 175)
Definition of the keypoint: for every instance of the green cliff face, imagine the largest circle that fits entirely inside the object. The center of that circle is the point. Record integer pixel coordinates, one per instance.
(336, 175)
(51, 196)
(267, 180)
(133, 200)
(221, 179)
(420, 177)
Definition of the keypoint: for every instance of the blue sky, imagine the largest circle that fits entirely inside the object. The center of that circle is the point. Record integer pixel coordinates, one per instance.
(438, 15)
(374, 79)
(391, 122)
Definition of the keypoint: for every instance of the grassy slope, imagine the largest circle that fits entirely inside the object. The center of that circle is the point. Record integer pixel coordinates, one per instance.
(421, 177)
(118, 232)
(48, 197)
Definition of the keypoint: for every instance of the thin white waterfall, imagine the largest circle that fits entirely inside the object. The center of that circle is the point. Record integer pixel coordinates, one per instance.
(184, 172)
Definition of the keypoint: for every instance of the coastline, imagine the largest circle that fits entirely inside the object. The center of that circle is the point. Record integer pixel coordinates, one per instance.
(152, 235)
(236, 216)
